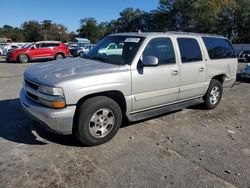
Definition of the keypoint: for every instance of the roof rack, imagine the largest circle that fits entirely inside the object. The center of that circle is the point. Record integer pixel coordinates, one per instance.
(192, 33)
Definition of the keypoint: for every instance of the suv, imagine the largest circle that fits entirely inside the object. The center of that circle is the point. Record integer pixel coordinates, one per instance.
(39, 50)
(155, 73)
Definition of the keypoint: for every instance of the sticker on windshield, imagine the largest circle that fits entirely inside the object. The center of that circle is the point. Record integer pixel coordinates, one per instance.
(136, 40)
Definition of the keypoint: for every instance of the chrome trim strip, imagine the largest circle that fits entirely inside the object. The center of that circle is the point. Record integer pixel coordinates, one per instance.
(167, 104)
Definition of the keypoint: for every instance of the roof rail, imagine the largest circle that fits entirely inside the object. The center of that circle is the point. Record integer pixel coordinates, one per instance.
(193, 33)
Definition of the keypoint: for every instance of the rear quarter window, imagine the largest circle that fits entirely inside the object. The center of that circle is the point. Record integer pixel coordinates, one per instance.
(218, 48)
(51, 45)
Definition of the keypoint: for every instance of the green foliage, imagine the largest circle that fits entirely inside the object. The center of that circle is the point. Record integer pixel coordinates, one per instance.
(15, 34)
(89, 29)
(32, 31)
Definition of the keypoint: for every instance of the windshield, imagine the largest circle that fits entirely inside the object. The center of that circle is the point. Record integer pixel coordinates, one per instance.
(118, 50)
(27, 45)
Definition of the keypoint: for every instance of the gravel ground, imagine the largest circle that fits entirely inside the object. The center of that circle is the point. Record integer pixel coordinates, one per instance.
(188, 148)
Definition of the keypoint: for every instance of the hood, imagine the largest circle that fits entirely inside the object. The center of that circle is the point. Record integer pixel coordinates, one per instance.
(54, 72)
(19, 50)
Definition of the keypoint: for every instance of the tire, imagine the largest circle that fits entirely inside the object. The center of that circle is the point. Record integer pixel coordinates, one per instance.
(213, 96)
(23, 58)
(59, 56)
(99, 119)
(81, 54)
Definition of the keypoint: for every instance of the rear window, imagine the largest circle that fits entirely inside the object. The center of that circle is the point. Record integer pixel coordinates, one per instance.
(189, 49)
(218, 48)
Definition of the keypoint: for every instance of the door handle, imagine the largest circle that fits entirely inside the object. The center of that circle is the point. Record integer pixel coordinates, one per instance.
(175, 72)
(201, 69)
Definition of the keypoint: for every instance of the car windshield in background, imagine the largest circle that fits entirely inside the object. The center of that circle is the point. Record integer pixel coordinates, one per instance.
(27, 45)
(118, 50)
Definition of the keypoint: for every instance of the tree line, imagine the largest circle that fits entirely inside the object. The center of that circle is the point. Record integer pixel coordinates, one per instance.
(230, 18)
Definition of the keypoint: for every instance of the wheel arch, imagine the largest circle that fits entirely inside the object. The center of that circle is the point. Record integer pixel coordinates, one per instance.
(116, 95)
(219, 77)
(62, 53)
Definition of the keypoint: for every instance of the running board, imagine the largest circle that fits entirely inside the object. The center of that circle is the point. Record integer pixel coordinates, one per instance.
(163, 110)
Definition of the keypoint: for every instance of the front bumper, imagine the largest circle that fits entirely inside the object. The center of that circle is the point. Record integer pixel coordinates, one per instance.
(9, 58)
(56, 120)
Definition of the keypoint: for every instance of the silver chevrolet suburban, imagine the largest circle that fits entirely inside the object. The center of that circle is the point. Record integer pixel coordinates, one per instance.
(128, 75)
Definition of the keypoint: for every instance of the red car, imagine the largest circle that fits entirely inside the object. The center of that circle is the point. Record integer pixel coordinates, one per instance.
(39, 50)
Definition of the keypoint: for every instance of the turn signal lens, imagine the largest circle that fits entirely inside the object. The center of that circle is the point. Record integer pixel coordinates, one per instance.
(58, 104)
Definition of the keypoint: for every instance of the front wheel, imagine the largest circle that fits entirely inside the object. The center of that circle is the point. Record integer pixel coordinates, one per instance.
(99, 120)
(213, 95)
(23, 58)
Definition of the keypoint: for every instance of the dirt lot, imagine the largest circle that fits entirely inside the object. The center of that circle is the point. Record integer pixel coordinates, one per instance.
(188, 148)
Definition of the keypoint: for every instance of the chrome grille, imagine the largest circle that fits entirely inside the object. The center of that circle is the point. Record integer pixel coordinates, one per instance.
(31, 88)
(31, 84)
(30, 95)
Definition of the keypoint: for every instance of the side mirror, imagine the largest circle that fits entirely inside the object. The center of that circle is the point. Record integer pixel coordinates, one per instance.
(32, 48)
(149, 61)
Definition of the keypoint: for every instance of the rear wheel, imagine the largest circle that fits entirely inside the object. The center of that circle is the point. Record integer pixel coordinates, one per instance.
(99, 120)
(59, 56)
(23, 58)
(213, 95)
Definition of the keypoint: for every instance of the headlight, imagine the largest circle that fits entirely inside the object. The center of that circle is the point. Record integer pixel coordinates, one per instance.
(51, 90)
(56, 100)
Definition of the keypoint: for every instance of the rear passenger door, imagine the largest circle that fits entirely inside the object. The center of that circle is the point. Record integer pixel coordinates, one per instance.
(192, 68)
(46, 50)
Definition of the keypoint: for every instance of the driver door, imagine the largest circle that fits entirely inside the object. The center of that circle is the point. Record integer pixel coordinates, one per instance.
(156, 85)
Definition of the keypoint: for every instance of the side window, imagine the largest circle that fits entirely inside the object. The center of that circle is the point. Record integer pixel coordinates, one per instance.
(218, 48)
(38, 45)
(162, 48)
(112, 46)
(44, 45)
(189, 49)
(54, 45)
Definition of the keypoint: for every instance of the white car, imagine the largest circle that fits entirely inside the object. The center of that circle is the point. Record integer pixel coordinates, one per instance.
(85, 49)
(8, 48)
(114, 49)
(1, 50)
(245, 73)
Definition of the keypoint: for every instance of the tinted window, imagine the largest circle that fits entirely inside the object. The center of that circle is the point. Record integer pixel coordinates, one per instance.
(189, 49)
(49, 45)
(218, 48)
(54, 45)
(112, 46)
(38, 45)
(14, 47)
(44, 45)
(162, 48)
